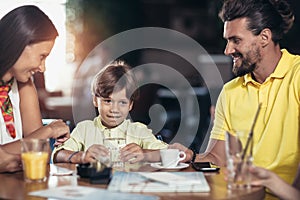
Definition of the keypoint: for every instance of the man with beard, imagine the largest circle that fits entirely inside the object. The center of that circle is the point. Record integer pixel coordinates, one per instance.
(266, 76)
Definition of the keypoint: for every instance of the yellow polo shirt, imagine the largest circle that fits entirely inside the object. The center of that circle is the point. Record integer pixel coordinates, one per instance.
(88, 132)
(276, 133)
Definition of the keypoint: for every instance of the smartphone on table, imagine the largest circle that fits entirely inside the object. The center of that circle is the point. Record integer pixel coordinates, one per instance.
(205, 167)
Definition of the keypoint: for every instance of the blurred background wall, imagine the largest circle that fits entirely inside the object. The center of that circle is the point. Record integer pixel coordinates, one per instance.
(92, 21)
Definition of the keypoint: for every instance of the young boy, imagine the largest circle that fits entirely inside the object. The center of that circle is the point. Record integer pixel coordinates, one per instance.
(114, 91)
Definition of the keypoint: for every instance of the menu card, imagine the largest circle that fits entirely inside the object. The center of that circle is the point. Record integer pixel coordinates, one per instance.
(158, 182)
(82, 193)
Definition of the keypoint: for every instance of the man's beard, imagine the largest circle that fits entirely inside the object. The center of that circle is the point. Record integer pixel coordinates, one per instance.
(247, 65)
(244, 68)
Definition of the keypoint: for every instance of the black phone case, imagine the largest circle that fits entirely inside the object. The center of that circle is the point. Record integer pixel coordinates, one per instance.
(204, 167)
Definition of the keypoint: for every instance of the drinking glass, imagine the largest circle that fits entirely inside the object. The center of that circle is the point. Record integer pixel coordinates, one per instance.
(238, 150)
(35, 157)
(114, 143)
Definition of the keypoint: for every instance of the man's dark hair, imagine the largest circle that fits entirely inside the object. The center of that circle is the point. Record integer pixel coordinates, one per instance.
(275, 15)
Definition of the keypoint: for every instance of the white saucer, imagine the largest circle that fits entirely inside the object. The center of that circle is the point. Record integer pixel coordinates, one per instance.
(59, 171)
(159, 166)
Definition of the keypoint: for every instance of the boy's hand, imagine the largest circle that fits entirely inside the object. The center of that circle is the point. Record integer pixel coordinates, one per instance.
(132, 153)
(94, 153)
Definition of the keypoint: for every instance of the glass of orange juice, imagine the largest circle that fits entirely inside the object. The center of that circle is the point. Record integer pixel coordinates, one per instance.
(35, 157)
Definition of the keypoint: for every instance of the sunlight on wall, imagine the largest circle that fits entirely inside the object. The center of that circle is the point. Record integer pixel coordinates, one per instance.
(59, 74)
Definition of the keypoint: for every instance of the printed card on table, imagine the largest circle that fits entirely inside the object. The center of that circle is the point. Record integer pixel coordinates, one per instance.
(158, 182)
(82, 193)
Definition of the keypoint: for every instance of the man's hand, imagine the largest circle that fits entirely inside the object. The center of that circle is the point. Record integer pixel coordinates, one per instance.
(189, 153)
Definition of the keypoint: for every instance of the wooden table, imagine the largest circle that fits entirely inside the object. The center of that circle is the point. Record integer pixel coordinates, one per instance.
(13, 186)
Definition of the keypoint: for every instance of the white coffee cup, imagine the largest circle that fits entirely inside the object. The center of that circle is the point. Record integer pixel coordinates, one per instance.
(171, 157)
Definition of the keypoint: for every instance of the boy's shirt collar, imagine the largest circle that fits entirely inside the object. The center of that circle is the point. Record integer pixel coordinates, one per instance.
(122, 127)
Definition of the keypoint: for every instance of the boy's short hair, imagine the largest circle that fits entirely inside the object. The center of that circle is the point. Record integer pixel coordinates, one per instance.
(113, 78)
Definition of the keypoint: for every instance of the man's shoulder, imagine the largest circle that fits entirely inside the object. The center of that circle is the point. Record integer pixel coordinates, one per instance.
(234, 83)
(290, 57)
(296, 62)
(291, 63)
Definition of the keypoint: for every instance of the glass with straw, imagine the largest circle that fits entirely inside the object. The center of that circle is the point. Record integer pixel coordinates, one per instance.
(239, 147)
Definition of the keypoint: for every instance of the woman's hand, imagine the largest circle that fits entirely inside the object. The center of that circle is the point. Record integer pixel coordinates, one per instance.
(9, 162)
(262, 176)
(267, 178)
(59, 131)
